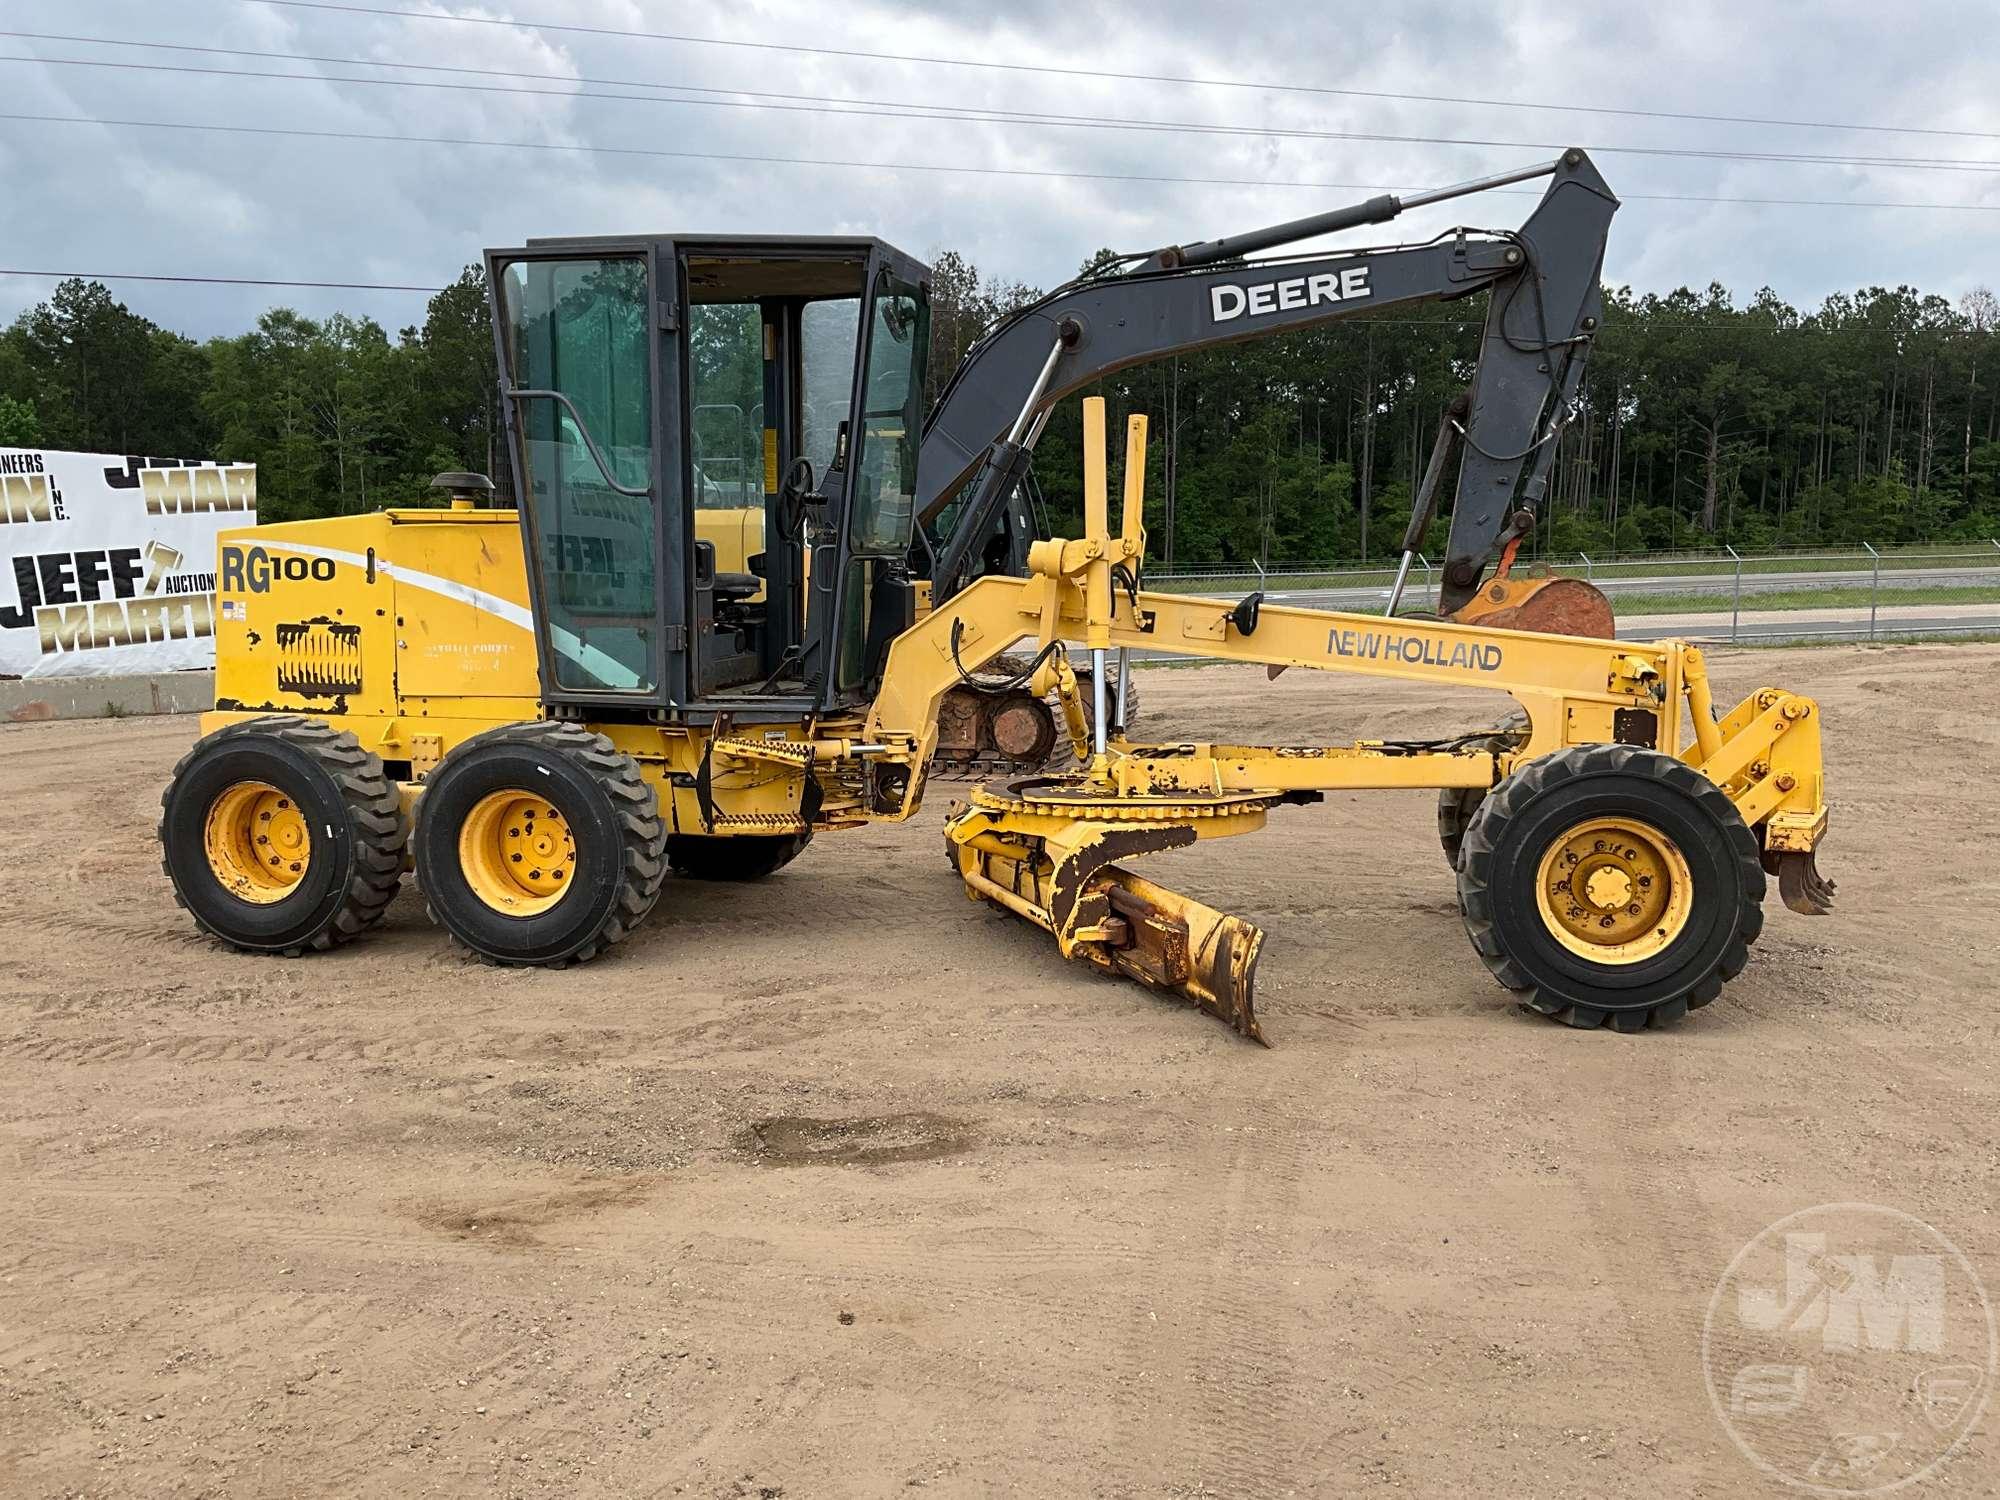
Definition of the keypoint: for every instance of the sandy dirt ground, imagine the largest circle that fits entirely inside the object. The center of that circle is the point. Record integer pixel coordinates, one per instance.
(843, 1185)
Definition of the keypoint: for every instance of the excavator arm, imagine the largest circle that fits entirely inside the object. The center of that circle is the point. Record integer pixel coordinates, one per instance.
(1545, 307)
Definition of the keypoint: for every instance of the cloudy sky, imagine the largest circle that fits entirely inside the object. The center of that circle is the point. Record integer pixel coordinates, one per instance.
(138, 197)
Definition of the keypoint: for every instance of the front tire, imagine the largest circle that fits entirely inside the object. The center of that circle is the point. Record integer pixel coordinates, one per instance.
(539, 844)
(282, 835)
(1609, 884)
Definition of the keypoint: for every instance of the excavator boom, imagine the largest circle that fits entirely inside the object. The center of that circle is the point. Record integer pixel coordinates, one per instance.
(1544, 309)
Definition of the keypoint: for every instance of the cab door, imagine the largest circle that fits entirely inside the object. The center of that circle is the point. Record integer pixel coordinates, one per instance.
(861, 596)
(589, 363)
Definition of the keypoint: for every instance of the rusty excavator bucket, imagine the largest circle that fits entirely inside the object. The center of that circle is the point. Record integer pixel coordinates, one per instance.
(1550, 606)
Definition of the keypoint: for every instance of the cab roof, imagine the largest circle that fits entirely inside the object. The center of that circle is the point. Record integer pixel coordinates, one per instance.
(741, 267)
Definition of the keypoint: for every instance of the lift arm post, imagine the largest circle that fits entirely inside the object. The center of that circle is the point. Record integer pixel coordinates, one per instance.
(1575, 690)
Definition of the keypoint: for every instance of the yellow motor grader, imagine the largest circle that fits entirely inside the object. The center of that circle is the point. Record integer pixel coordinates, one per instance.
(545, 708)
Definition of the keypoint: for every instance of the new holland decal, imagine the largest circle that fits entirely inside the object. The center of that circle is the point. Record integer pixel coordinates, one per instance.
(1412, 650)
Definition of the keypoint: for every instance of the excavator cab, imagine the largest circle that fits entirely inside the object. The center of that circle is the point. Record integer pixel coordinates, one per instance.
(713, 449)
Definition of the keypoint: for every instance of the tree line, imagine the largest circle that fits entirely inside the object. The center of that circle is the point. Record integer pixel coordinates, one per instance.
(337, 415)
(1702, 421)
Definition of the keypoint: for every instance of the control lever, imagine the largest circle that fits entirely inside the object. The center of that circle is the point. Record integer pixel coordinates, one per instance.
(1244, 615)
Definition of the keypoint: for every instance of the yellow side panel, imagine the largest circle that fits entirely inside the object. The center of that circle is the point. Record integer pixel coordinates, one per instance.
(462, 608)
(303, 623)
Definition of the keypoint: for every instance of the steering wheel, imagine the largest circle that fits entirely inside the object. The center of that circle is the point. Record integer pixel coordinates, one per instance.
(797, 484)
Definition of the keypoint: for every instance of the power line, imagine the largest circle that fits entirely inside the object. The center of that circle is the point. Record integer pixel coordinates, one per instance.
(340, 286)
(690, 39)
(894, 166)
(951, 113)
(810, 103)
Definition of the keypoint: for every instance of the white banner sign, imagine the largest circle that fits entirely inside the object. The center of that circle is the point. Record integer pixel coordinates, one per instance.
(107, 563)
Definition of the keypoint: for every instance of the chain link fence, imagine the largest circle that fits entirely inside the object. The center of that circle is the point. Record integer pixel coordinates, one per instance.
(1861, 593)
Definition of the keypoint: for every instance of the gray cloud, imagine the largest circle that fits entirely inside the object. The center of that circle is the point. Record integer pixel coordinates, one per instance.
(91, 199)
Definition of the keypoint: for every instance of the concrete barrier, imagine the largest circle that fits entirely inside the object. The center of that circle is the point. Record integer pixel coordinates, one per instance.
(24, 699)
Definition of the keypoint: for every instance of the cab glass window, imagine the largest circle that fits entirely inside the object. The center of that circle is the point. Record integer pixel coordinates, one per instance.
(892, 396)
(580, 327)
(828, 330)
(726, 396)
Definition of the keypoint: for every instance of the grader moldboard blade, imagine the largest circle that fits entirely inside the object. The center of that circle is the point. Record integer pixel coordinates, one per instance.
(1178, 944)
(1044, 850)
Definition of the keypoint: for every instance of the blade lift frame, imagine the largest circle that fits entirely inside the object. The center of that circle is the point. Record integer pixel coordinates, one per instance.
(1047, 849)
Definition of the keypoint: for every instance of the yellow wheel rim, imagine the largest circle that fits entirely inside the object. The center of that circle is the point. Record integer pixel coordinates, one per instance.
(1614, 890)
(257, 842)
(516, 853)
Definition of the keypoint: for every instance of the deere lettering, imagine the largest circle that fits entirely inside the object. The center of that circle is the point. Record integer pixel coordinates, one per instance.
(1413, 650)
(1229, 301)
(253, 569)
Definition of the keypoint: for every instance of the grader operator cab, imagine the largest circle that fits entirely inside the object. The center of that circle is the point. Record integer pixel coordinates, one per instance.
(544, 708)
(610, 350)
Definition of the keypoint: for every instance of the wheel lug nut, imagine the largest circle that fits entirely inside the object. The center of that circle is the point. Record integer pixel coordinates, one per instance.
(515, 858)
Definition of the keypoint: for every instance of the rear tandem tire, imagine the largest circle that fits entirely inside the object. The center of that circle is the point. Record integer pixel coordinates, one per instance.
(336, 801)
(549, 893)
(1609, 884)
(746, 857)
